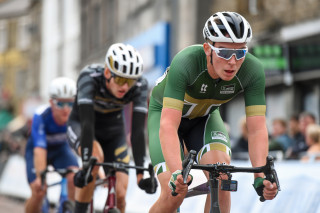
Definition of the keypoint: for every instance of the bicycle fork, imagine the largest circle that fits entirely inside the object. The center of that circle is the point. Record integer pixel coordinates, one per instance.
(64, 193)
(111, 200)
(214, 192)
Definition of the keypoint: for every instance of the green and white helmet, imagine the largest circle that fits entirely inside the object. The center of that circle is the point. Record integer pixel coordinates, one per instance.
(236, 27)
(124, 60)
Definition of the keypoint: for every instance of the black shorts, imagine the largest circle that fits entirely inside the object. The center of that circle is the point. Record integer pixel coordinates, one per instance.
(109, 133)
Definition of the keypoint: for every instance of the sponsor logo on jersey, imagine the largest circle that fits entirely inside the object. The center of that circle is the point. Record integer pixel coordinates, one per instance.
(203, 88)
(216, 135)
(227, 89)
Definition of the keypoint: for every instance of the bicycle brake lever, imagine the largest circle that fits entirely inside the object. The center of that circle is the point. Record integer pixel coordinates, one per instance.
(89, 168)
(271, 174)
(187, 165)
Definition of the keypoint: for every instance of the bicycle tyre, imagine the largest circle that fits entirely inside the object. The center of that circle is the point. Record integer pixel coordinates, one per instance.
(67, 207)
(114, 210)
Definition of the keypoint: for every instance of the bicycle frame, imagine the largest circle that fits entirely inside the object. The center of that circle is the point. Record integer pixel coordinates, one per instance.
(63, 192)
(111, 201)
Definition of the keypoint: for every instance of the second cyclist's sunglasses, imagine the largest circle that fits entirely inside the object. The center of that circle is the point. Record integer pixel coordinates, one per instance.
(121, 80)
(61, 104)
(227, 53)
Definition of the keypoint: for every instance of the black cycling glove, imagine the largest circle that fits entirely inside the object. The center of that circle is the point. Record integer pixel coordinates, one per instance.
(148, 185)
(80, 177)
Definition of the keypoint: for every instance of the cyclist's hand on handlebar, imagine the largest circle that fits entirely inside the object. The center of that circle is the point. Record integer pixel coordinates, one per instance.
(38, 186)
(80, 178)
(176, 183)
(270, 190)
(265, 188)
(149, 185)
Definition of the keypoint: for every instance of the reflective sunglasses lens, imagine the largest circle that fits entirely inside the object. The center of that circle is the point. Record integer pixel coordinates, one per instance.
(121, 81)
(228, 53)
(240, 54)
(61, 104)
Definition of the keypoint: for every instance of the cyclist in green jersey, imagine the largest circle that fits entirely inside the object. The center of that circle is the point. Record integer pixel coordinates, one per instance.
(184, 109)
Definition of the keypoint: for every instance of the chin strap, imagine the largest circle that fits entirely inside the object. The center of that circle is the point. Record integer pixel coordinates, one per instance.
(211, 58)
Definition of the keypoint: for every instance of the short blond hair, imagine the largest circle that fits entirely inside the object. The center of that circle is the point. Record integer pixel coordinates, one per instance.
(313, 131)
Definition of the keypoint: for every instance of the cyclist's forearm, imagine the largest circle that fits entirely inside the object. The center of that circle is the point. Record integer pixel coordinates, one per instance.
(168, 133)
(40, 160)
(87, 130)
(258, 142)
(170, 148)
(138, 138)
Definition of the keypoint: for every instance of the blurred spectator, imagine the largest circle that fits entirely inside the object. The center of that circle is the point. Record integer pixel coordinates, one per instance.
(299, 144)
(6, 115)
(241, 147)
(279, 140)
(313, 141)
(293, 130)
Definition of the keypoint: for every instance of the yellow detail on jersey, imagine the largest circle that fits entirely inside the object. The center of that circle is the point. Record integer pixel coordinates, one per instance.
(172, 103)
(106, 110)
(213, 146)
(119, 150)
(124, 160)
(161, 167)
(108, 100)
(256, 110)
(200, 107)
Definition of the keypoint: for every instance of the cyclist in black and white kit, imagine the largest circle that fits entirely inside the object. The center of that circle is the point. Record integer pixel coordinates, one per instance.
(96, 125)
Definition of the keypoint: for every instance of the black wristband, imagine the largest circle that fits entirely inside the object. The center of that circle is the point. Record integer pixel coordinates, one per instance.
(139, 171)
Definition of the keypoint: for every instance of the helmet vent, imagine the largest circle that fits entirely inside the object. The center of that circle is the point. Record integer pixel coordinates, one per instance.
(116, 65)
(124, 69)
(124, 57)
(131, 68)
(130, 53)
(137, 70)
(114, 53)
(137, 59)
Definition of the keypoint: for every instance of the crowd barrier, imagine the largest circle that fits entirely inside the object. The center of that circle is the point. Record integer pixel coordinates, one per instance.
(300, 184)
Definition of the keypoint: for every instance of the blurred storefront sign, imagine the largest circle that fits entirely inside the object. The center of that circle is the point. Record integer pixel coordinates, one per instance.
(305, 57)
(272, 58)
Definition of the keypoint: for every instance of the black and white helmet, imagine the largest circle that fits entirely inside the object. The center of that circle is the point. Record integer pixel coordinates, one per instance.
(124, 60)
(236, 27)
(62, 87)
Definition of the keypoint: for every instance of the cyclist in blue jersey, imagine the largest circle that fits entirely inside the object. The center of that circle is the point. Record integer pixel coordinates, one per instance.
(47, 144)
(184, 109)
(96, 126)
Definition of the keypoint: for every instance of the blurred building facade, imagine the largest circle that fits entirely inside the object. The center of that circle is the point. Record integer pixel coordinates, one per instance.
(67, 35)
(39, 40)
(286, 39)
(19, 50)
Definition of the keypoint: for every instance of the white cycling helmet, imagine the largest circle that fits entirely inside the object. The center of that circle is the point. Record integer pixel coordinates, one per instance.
(63, 88)
(124, 60)
(236, 27)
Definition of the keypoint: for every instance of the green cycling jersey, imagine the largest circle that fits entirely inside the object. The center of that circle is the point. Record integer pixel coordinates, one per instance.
(187, 86)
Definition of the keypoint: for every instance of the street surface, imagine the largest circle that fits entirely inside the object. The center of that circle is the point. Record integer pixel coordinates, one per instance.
(11, 205)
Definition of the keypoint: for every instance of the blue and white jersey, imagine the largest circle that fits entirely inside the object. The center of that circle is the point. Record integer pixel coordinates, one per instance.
(45, 132)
